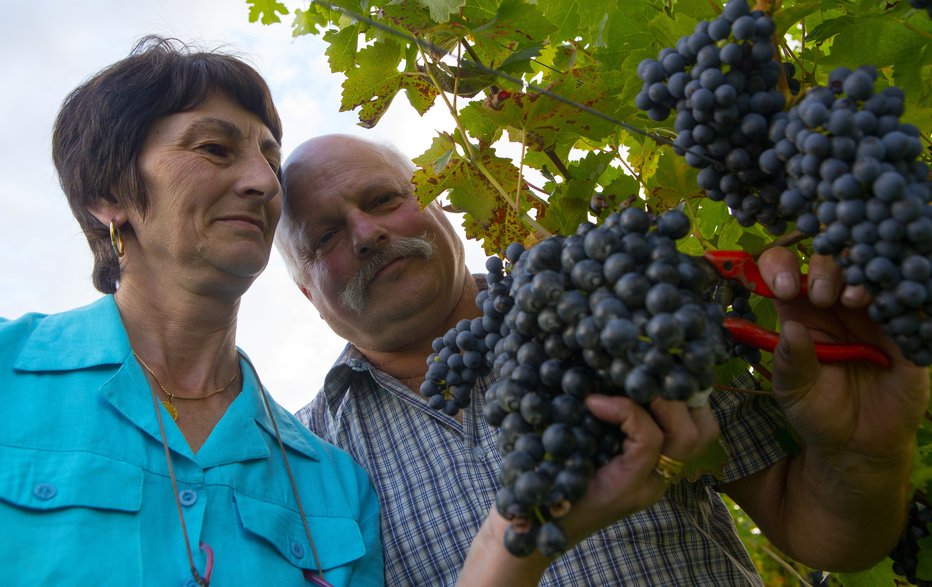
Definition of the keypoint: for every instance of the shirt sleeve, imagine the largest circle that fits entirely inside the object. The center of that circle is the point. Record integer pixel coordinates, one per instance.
(316, 417)
(752, 427)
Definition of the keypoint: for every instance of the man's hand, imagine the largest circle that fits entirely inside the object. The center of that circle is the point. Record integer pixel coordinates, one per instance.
(853, 407)
(838, 504)
(626, 484)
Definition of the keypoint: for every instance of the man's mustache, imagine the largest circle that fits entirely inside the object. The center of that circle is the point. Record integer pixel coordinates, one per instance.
(354, 296)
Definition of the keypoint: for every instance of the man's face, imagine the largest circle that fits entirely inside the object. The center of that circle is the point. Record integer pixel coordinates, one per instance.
(380, 271)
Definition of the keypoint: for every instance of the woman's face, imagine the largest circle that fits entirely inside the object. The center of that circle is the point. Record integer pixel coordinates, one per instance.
(210, 175)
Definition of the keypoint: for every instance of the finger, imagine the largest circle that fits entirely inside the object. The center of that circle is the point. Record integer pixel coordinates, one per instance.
(779, 267)
(679, 430)
(671, 416)
(707, 424)
(687, 431)
(825, 281)
(636, 424)
(795, 365)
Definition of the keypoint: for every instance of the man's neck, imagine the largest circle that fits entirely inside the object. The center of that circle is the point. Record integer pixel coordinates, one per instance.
(409, 364)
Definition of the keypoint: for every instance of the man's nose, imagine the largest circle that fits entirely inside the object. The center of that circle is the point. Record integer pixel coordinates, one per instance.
(368, 235)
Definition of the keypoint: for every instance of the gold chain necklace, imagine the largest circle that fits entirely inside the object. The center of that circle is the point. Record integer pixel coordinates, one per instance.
(169, 405)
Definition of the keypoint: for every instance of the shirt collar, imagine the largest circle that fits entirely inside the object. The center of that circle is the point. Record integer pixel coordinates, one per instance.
(93, 336)
(88, 336)
(349, 366)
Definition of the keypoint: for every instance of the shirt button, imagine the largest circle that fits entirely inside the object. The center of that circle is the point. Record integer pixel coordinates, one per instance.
(44, 491)
(190, 583)
(297, 549)
(187, 497)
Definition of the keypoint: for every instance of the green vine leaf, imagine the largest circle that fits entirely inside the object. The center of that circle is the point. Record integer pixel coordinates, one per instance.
(881, 574)
(306, 22)
(341, 53)
(442, 10)
(266, 11)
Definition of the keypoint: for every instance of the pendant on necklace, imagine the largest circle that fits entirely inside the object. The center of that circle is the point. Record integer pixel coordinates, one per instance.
(171, 409)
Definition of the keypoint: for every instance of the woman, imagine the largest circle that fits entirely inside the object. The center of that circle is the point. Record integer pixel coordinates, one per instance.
(140, 446)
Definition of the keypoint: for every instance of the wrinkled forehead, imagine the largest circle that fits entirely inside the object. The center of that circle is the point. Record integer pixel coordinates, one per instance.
(345, 173)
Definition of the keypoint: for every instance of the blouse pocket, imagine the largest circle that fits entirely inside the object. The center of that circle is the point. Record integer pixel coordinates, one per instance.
(338, 541)
(68, 516)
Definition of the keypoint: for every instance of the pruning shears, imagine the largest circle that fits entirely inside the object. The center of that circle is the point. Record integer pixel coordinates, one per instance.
(740, 267)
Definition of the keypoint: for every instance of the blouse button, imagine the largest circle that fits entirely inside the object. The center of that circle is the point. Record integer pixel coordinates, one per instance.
(44, 491)
(297, 549)
(188, 497)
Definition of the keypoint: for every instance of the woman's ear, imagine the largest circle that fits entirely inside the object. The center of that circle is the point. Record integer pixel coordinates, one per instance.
(106, 212)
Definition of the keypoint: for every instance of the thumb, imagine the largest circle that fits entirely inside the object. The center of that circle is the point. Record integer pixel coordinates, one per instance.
(795, 365)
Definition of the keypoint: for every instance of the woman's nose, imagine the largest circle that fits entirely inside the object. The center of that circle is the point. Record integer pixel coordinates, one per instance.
(258, 179)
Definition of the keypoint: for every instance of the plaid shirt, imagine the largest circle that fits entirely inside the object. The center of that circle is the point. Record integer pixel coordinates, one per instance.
(436, 479)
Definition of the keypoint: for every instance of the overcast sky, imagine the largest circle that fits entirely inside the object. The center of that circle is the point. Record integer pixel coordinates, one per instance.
(52, 46)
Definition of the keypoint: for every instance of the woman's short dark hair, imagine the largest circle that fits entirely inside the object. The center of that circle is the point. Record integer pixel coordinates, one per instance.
(103, 123)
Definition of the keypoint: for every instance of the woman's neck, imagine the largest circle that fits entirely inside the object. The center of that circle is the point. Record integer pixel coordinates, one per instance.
(188, 339)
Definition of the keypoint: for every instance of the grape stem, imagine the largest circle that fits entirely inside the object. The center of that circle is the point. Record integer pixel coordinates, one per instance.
(558, 163)
(789, 568)
(785, 240)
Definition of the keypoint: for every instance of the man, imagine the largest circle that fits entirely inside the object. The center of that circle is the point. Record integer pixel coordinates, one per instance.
(389, 278)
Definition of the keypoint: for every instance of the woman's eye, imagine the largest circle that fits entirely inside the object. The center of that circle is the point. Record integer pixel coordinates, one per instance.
(215, 149)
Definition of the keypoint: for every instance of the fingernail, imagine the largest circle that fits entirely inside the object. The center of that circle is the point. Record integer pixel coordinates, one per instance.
(854, 297)
(785, 284)
(822, 291)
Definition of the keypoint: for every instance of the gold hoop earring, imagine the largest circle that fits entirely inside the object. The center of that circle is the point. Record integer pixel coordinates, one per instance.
(116, 239)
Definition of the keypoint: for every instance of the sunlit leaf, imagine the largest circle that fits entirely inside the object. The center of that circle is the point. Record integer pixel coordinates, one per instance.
(266, 11)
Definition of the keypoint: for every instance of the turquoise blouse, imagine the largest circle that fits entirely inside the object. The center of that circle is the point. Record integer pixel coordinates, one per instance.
(85, 495)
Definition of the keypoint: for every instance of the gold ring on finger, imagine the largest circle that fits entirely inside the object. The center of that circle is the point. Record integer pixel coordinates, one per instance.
(670, 470)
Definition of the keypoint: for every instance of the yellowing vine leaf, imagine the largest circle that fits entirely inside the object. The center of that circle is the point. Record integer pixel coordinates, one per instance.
(372, 85)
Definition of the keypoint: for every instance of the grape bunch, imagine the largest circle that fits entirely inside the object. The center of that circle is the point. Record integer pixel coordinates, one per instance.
(855, 182)
(723, 83)
(905, 554)
(612, 309)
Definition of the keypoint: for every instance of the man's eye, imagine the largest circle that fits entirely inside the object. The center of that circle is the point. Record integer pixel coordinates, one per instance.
(323, 240)
(385, 199)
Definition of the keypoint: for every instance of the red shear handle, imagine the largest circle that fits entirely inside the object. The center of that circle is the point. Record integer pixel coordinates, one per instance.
(750, 334)
(741, 267)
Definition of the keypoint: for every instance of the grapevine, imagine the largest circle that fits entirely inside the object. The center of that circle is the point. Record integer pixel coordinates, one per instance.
(591, 59)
